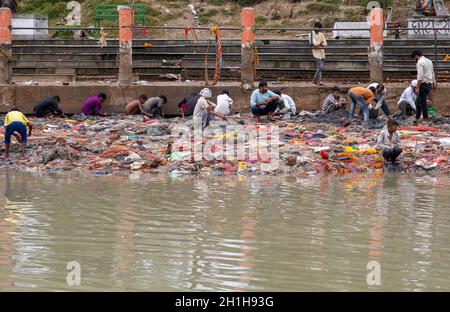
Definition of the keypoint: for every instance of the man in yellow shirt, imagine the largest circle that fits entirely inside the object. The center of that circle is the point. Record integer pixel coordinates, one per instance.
(15, 124)
(364, 97)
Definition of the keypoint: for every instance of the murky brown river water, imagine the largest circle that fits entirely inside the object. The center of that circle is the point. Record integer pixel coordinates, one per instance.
(157, 233)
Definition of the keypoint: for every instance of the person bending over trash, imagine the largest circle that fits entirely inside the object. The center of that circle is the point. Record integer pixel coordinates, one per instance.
(407, 102)
(333, 102)
(388, 141)
(187, 104)
(263, 102)
(380, 95)
(93, 105)
(15, 124)
(153, 106)
(204, 110)
(48, 107)
(364, 97)
(286, 105)
(135, 107)
(224, 102)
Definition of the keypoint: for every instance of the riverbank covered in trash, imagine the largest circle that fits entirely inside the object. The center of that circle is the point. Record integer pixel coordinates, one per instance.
(311, 144)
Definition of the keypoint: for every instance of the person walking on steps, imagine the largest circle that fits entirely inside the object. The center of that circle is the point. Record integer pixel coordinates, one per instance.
(318, 42)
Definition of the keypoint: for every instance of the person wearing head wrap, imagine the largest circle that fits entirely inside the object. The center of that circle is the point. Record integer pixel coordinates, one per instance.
(204, 109)
(407, 102)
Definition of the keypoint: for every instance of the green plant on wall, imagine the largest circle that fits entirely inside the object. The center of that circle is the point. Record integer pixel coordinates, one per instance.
(260, 20)
(364, 2)
(322, 8)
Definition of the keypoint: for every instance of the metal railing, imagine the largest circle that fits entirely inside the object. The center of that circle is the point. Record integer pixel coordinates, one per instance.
(206, 40)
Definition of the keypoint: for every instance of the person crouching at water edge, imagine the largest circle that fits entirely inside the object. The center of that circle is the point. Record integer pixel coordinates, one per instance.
(364, 97)
(388, 141)
(204, 109)
(263, 102)
(93, 105)
(15, 124)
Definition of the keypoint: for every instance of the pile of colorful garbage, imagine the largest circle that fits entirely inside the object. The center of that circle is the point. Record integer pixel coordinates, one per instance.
(296, 147)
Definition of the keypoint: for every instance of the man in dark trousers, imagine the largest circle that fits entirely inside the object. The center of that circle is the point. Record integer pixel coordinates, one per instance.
(263, 102)
(426, 80)
(49, 106)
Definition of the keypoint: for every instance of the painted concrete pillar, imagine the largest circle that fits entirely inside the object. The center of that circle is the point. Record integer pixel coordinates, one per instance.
(125, 45)
(376, 45)
(5, 46)
(247, 46)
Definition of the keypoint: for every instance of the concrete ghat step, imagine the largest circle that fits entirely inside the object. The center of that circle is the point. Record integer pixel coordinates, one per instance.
(44, 77)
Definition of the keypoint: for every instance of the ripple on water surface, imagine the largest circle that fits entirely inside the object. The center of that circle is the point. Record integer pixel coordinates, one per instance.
(223, 233)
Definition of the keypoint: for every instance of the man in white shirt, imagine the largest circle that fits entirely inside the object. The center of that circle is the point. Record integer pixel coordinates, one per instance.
(287, 106)
(389, 142)
(318, 42)
(204, 110)
(224, 102)
(407, 102)
(380, 95)
(426, 80)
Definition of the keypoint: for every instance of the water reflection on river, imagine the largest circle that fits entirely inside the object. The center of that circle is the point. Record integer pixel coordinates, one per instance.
(223, 233)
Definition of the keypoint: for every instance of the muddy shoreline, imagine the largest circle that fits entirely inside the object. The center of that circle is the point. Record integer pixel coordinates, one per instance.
(113, 144)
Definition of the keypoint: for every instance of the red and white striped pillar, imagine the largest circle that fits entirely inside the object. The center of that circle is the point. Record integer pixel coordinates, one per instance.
(125, 45)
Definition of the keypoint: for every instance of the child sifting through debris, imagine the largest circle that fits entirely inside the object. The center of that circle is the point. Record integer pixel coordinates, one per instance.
(48, 107)
(93, 105)
(15, 124)
(153, 106)
(135, 107)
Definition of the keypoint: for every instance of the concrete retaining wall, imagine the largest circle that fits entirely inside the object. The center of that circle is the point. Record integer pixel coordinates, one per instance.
(305, 95)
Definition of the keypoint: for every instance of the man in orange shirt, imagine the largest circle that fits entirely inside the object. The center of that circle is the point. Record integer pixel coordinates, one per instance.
(364, 97)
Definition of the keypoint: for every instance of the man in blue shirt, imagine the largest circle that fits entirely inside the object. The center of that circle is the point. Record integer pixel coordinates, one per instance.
(263, 102)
